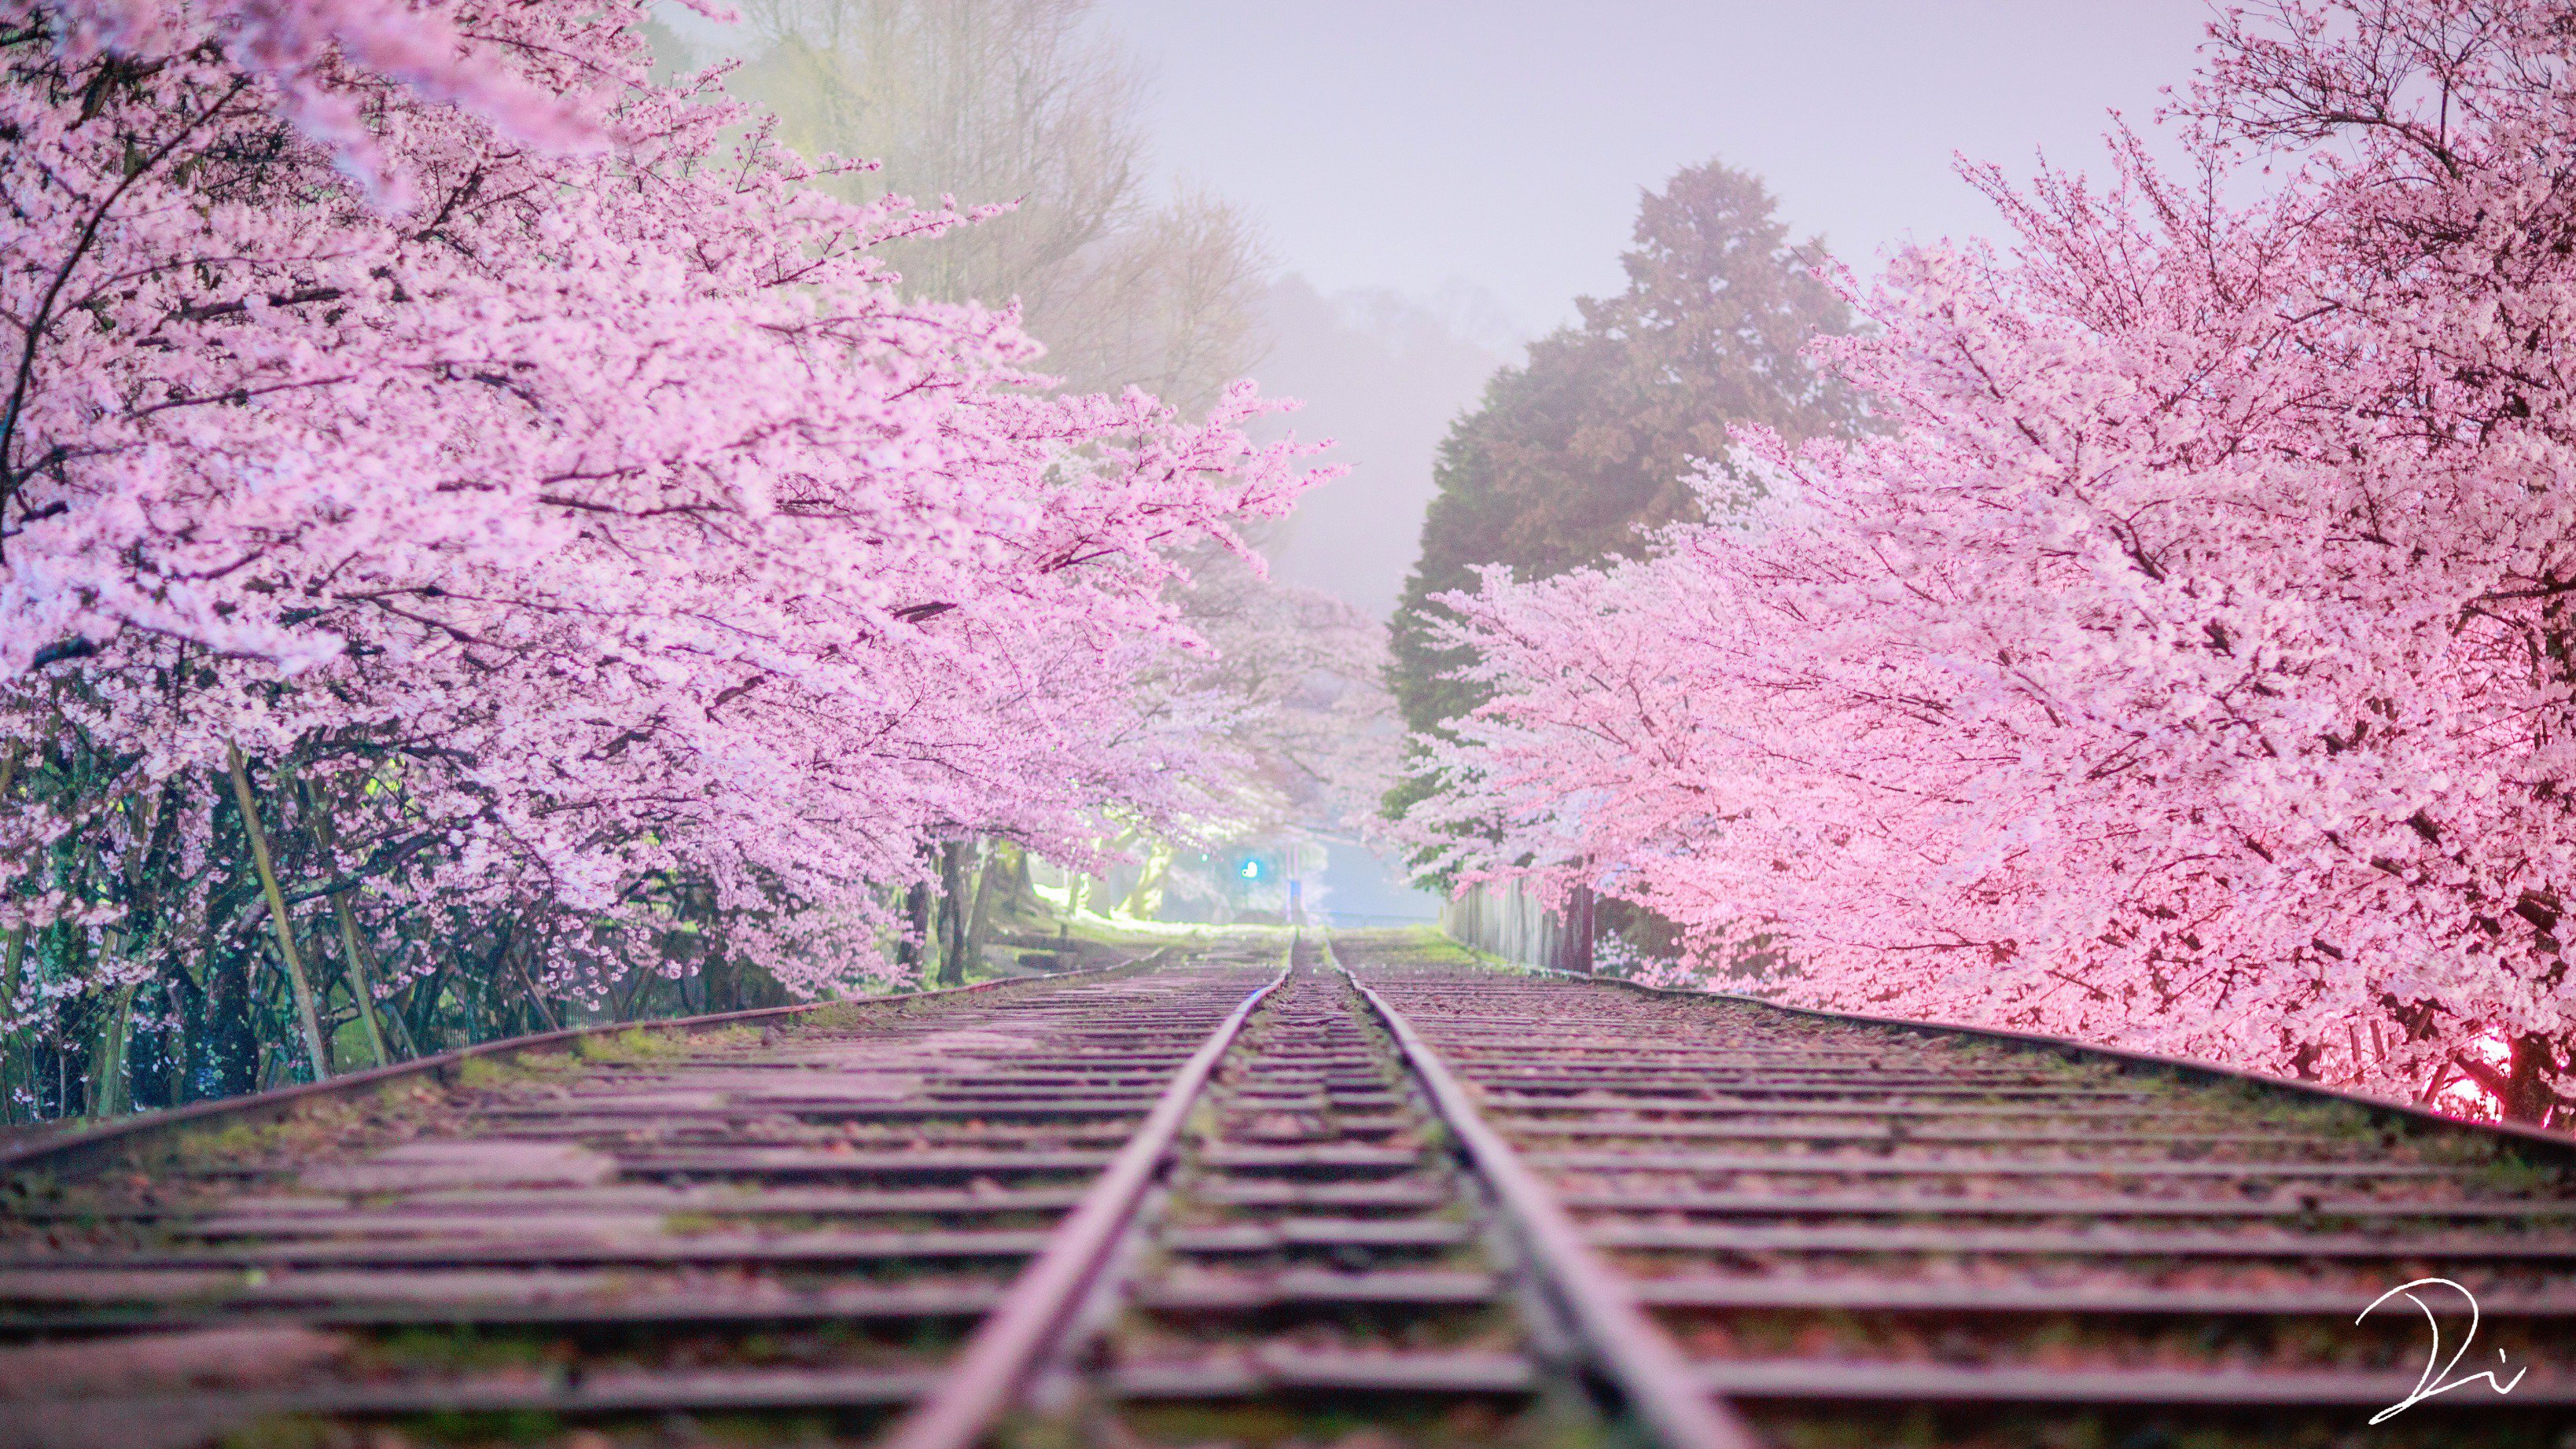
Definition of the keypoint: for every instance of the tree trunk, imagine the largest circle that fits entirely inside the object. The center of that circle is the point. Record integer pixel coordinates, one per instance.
(1024, 887)
(2529, 1093)
(718, 975)
(353, 957)
(628, 1004)
(1146, 901)
(914, 952)
(952, 913)
(108, 1095)
(296, 981)
(545, 1017)
(489, 1017)
(361, 981)
(1018, 900)
(422, 996)
(979, 921)
(2524, 1089)
(228, 1049)
(13, 1056)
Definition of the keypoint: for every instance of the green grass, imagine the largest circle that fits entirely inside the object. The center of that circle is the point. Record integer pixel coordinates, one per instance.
(462, 1349)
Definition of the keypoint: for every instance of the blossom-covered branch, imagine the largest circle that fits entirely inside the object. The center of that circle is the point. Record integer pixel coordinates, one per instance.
(2190, 666)
(600, 564)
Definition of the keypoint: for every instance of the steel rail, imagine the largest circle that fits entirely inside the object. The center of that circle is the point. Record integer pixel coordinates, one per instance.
(1597, 1079)
(508, 1246)
(986, 1375)
(59, 1147)
(2561, 1144)
(1660, 1385)
(1319, 1239)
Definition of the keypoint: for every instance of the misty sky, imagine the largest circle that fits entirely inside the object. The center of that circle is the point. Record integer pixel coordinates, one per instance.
(1422, 166)
(1414, 143)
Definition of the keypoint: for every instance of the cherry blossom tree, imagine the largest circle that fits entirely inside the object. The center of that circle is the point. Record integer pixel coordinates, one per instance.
(2188, 667)
(482, 527)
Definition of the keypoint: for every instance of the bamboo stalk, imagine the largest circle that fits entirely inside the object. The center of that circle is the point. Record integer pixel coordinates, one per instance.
(295, 977)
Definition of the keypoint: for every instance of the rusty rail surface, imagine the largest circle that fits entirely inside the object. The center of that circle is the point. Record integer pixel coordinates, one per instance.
(767, 1215)
(991, 1369)
(2546, 1139)
(1856, 1229)
(1648, 1368)
(1223, 1200)
(65, 1148)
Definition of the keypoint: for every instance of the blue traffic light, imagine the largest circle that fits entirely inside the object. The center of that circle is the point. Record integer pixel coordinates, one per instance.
(1251, 868)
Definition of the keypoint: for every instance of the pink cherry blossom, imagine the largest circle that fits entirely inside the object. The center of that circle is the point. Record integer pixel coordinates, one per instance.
(2187, 668)
(600, 526)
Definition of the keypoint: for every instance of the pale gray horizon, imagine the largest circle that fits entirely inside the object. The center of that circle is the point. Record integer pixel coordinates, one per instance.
(1412, 146)
(1439, 182)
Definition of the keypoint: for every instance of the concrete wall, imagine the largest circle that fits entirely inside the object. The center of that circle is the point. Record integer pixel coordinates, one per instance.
(1511, 922)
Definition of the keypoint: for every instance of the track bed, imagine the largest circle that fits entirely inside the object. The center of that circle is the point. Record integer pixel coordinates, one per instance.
(787, 1229)
(1356, 1193)
(1871, 1235)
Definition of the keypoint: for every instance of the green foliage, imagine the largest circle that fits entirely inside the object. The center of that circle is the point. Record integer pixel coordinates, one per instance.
(461, 1349)
(1595, 438)
(490, 1073)
(632, 1044)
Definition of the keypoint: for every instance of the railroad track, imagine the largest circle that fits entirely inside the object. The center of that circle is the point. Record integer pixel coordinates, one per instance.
(795, 1224)
(1326, 1252)
(1863, 1233)
(1262, 1200)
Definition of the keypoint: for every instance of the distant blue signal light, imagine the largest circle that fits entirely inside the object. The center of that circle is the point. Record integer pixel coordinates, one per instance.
(1251, 869)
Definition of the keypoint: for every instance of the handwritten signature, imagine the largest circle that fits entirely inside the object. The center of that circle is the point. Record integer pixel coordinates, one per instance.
(2437, 1378)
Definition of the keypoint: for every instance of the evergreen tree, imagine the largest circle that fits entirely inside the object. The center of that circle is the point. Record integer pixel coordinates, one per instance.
(1575, 453)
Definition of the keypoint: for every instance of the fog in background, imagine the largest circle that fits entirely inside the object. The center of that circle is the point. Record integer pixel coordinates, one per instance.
(1409, 144)
(1382, 374)
(1431, 184)
(1437, 181)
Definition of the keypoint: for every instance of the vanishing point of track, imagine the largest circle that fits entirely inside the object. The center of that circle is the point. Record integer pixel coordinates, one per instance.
(1361, 1192)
